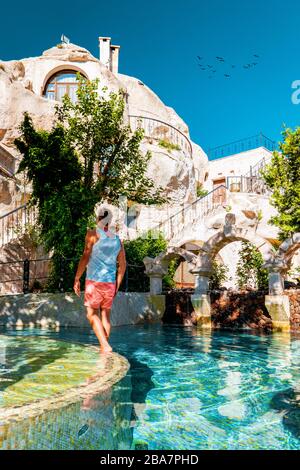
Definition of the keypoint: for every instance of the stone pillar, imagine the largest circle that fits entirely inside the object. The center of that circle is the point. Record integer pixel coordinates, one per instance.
(156, 269)
(155, 283)
(278, 307)
(277, 304)
(201, 298)
(276, 283)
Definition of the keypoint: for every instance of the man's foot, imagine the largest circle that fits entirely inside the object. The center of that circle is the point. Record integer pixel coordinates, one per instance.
(106, 349)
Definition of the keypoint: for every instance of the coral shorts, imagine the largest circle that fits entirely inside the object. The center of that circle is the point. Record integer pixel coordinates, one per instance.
(99, 294)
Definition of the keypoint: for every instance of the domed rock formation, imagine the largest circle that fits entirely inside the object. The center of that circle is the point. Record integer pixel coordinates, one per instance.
(177, 164)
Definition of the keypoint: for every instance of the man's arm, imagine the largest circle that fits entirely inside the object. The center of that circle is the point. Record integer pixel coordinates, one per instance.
(89, 241)
(121, 260)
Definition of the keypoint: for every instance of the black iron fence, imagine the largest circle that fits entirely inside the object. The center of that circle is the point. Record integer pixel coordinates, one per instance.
(33, 275)
(242, 145)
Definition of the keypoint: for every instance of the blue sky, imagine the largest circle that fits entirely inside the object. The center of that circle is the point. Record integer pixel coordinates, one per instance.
(159, 44)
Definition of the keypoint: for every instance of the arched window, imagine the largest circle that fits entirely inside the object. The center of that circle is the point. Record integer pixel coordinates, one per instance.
(62, 83)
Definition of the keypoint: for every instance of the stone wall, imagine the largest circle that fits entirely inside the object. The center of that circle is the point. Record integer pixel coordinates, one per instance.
(66, 309)
(240, 310)
(230, 309)
(179, 309)
(294, 297)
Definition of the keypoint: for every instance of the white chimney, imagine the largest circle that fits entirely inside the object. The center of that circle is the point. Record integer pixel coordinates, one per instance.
(114, 58)
(104, 45)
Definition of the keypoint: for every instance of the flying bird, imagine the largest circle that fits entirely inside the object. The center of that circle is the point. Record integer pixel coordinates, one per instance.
(221, 65)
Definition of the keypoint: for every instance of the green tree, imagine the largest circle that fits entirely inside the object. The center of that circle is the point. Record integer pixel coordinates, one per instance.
(136, 251)
(282, 176)
(89, 156)
(250, 272)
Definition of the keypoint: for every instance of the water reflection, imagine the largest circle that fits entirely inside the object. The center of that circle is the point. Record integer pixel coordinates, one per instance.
(100, 421)
(188, 389)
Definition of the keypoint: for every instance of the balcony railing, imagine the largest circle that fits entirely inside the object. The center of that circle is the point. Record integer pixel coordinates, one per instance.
(246, 184)
(251, 182)
(160, 130)
(242, 145)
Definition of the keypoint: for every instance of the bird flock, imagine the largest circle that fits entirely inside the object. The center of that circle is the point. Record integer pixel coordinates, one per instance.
(222, 66)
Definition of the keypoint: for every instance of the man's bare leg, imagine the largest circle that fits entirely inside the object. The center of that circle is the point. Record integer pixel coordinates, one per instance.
(105, 317)
(96, 323)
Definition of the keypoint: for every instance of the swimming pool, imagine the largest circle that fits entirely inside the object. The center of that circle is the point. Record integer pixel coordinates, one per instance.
(185, 389)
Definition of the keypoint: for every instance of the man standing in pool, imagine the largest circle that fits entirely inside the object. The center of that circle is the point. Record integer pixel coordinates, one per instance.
(104, 258)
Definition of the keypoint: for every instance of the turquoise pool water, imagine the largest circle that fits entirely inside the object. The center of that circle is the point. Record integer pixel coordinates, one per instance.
(185, 390)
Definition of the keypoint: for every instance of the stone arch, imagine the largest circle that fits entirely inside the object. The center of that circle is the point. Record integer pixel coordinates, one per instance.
(61, 68)
(157, 267)
(229, 234)
(163, 259)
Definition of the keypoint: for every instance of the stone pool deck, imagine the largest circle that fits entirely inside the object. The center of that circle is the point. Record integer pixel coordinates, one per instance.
(79, 373)
(67, 310)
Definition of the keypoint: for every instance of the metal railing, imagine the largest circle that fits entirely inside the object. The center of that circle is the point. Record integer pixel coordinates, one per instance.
(7, 162)
(14, 223)
(246, 184)
(6, 170)
(242, 145)
(23, 275)
(31, 275)
(160, 130)
(251, 182)
(192, 213)
(256, 169)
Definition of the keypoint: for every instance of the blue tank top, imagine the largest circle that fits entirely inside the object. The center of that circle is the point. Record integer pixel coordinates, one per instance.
(102, 265)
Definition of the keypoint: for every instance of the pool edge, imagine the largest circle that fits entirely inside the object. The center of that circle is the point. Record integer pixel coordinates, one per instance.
(118, 368)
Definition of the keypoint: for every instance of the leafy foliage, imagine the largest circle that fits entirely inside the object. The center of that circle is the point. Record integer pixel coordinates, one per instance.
(218, 276)
(168, 145)
(137, 250)
(249, 272)
(201, 192)
(282, 176)
(89, 156)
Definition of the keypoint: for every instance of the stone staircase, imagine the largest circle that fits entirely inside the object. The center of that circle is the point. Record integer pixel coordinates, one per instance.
(14, 223)
(184, 223)
(16, 245)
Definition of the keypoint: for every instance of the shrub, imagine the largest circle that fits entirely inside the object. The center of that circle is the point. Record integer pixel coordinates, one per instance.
(168, 145)
(249, 272)
(218, 276)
